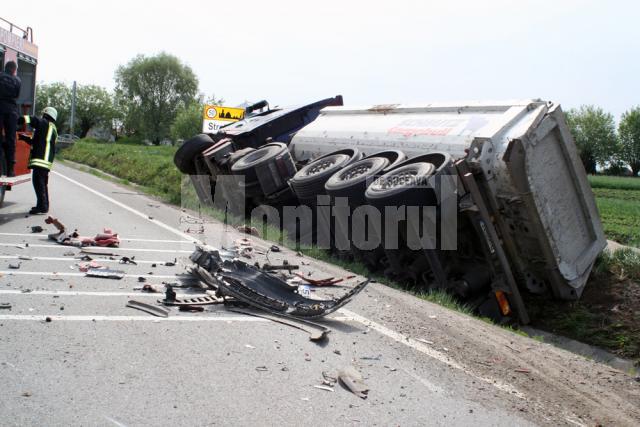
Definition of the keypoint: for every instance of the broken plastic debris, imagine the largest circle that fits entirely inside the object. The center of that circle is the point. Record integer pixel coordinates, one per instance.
(352, 380)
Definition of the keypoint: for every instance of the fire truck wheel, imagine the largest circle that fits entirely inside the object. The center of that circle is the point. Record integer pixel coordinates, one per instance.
(184, 158)
(407, 185)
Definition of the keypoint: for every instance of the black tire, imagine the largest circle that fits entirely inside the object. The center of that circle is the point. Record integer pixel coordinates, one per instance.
(405, 185)
(395, 157)
(247, 165)
(309, 181)
(352, 180)
(184, 159)
(441, 160)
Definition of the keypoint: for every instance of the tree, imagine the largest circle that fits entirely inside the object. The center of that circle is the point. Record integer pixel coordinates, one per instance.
(57, 95)
(629, 131)
(595, 134)
(94, 107)
(155, 89)
(188, 122)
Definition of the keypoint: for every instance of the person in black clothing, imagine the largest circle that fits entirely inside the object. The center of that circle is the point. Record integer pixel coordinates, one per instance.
(9, 91)
(43, 147)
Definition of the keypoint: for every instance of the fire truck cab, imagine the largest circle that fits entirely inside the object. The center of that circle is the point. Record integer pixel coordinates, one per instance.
(16, 44)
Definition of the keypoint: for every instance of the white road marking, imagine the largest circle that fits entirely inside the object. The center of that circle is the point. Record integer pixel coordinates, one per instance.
(410, 342)
(120, 249)
(429, 351)
(83, 293)
(149, 318)
(36, 235)
(76, 260)
(130, 209)
(65, 274)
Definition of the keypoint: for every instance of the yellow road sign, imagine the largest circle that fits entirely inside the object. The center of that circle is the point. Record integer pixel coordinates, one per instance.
(226, 114)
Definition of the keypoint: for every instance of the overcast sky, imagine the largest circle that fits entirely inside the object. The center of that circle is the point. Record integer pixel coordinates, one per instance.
(396, 51)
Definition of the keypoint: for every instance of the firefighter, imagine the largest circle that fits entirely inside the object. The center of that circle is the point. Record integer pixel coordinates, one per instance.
(43, 147)
(9, 91)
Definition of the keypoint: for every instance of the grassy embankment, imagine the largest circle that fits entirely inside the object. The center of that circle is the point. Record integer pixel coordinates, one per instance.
(607, 315)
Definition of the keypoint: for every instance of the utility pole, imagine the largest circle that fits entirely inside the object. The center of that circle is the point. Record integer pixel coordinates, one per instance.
(73, 108)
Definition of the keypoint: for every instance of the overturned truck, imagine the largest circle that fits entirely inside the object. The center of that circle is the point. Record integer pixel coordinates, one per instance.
(485, 200)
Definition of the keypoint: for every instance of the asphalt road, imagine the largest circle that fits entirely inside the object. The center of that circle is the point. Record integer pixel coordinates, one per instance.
(100, 363)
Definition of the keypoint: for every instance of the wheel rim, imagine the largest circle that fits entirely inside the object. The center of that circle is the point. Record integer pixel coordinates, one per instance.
(320, 166)
(355, 172)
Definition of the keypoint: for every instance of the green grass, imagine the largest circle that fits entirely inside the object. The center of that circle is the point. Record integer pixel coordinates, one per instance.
(149, 166)
(618, 201)
(615, 182)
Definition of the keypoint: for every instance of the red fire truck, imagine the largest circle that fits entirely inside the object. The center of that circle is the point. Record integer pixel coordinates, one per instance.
(16, 44)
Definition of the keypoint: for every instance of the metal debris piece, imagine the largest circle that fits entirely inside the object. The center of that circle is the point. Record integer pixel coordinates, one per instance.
(323, 387)
(284, 266)
(352, 380)
(127, 260)
(316, 332)
(201, 299)
(191, 308)
(37, 229)
(142, 279)
(149, 288)
(5, 306)
(25, 258)
(15, 266)
(148, 308)
(92, 251)
(248, 230)
(329, 281)
(262, 368)
(171, 263)
(246, 283)
(274, 248)
(105, 273)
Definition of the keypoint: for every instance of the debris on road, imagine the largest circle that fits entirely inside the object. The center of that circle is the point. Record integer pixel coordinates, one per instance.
(15, 266)
(262, 368)
(171, 263)
(5, 306)
(189, 300)
(25, 258)
(37, 229)
(260, 289)
(127, 260)
(323, 387)
(248, 230)
(106, 238)
(191, 308)
(352, 380)
(316, 332)
(105, 273)
(86, 266)
(329, 281)
(148, 308)
(148, 288)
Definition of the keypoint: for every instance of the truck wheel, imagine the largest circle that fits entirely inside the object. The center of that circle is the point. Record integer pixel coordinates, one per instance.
(395, 157)
(184, 158)
(406, 185)
(247, 165)
(352, 181)
(309, 181)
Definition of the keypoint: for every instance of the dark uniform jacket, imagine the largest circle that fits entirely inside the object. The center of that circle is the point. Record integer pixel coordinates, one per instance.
(43, 141)
(9, 92)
